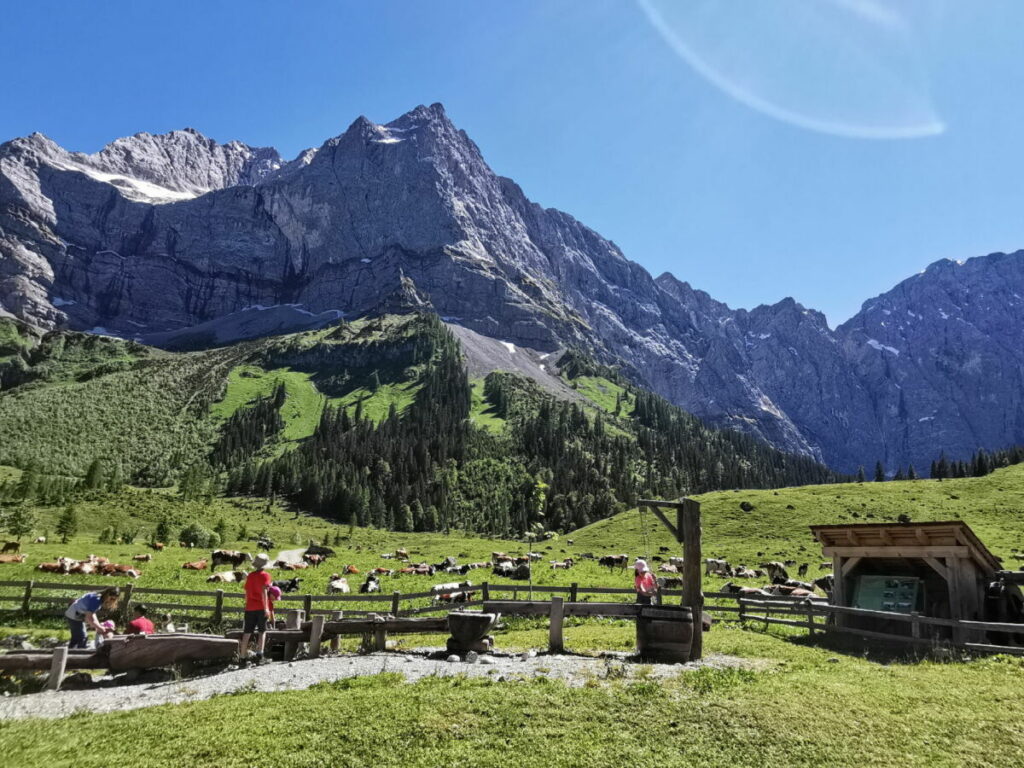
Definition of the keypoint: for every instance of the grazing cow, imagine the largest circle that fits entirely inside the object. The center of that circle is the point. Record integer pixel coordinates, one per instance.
(535, 557)
(227, 577)
(826, 584)
(314, 560)
(586, 556)
(736, 589)
(316, 549)
(157, 545)
(824, 566)
(197, 565)
(614, 561)
(503, 568)
(744, 573)
(787, 591)
(230, 557)
(663, 568)
(451, 587)
(802, 570)
(10, 546)
(13, 558)
(142, 558)
(402, 554)
(775, 570)
(454, 597)
(566, 564)
(448, 562)
(264, 543)
(40, 540)
(288, 585)
(384, 571)
(672, 582)
(338, 585)
(714, 565)
(522, 571)
(370, 585)
(51, 567)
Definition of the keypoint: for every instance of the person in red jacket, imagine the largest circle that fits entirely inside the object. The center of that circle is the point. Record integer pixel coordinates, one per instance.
(644, 583)
(139, 625)
(257, 609)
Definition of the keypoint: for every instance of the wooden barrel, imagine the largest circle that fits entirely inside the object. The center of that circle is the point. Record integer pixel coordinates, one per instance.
(664, 633)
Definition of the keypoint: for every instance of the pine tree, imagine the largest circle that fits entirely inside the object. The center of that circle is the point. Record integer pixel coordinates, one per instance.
(911, 473)
(879, 472)
(404, 521)
(94, 475)
(20, 522)
(860, 475)
(67, 524)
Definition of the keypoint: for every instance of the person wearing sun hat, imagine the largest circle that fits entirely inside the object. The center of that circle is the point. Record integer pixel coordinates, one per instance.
(644, 583)
(257, 608)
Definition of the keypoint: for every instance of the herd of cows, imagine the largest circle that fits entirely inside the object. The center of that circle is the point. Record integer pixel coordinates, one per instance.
(516, 567)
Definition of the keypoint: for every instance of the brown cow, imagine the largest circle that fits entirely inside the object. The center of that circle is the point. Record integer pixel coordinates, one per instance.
(351, 569)
(51, 567)
(142, 558)
(13, 558)
(314, 560)
(157, 545)
(197, 565)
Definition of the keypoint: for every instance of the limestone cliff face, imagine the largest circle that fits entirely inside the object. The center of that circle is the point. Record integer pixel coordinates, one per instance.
(155, 235)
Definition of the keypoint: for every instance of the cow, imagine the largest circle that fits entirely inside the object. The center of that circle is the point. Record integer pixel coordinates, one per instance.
(350, 569)
(388, 556)
(744, 573)
(10, 546)
(13, 558)
(676, 561)
(796, 584)
(667, 569)
(384, 571)
(802, 570)
(614, 561)
(672, 582)
(338, 585)
(502, 568)
(451, 587)
(523, 559)
(288, 585)
(454, 597)
(51, 567)
(788, 591)
(97, 560)
(664, 549)
(522, 571)
(566, 564)
(230, 557)
(826, 583)
(264, 543)
(40, 539)
(496, 556)
(370, 585)
(824, 566)
(142, 558)
(775, 570)
(790, 563)
(448, 562)
(736, 589)
(714, 565)
(197, 565)
(227, 577)
(402, 554)
(157, 545)
(316, 549)
(504, 559)
(535, 557)
(314, 560)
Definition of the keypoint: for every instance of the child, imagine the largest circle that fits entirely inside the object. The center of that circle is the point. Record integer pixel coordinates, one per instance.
(139, 625)
(257, 608)
(273, 594)
(81, 615)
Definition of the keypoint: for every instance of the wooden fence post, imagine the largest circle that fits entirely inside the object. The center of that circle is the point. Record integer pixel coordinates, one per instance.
(688, 525)
(810, 619)
(126, 604)
(26, 601)
(396, 598)
(316, 633)
(307, 605)
(293, 621)
(573, 589)
(915, 626)
(380, 635)
(218, 608)
(57, 666)
(742, 615)
(486, 592)
(555, 644)
(336, 639)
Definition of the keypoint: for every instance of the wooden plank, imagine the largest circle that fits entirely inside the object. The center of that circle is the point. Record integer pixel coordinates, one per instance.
(666, 504)
(838, 596)
(57, 667)
(849, 565)
(186, 592)
(938, 567)
(896, 551)
(26, 602)
(218, 608)
(293, 620)
(785, 622)
(986, 648)
(555, 642)
(335, 642)
(692, 572)
(653, 507)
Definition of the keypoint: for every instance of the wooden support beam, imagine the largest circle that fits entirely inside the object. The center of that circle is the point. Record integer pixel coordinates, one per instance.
(896, 551)
(293, 620)
(693, 573)
(26, 601)
(838, 588)
(938, 567)
(849, 565)
(218, 607)
(57, 666)
(316, 634)
(380, 634)
(335, 639)
(676, 533)
(555, 642)
(396, 600)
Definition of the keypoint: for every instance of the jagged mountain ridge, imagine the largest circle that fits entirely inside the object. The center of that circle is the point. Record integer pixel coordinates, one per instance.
(411, 211)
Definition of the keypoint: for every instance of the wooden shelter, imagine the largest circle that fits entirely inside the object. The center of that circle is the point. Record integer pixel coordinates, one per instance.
(939, 569)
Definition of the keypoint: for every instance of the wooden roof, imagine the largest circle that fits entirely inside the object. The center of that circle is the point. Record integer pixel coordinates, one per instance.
(875, 536)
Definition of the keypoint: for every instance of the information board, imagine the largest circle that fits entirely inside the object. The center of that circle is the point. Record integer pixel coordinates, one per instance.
(897, 594)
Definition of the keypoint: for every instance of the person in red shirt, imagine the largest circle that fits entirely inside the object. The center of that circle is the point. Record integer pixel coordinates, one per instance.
(257, 609)
(139, 625)
(644, 583)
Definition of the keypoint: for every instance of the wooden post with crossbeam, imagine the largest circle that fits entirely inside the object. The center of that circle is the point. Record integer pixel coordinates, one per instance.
(687, 532)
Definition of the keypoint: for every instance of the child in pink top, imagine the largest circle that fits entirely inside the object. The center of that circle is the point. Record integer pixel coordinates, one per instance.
(644, 583)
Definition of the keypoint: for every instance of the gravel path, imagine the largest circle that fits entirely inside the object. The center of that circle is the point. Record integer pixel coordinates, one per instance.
(290, 555)
(281, 676)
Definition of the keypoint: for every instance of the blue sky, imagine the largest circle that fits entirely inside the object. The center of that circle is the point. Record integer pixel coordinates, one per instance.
(727, 148)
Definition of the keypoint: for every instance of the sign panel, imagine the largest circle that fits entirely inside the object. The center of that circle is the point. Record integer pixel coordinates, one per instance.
(896, 594)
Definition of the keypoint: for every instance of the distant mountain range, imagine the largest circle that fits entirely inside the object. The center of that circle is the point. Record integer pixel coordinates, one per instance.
(179, 241)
